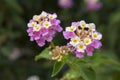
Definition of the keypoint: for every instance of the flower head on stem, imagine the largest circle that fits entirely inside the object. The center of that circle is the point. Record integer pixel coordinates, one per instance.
(58, 52)
(42, 28)
(85, 38)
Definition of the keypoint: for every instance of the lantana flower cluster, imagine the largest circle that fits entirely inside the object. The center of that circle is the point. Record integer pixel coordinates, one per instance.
(58, 52)
(42, 28)
(93, 5)
(83, 38)
(65, 3)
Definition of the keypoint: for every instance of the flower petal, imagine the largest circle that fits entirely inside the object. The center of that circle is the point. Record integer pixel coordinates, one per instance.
(96, 44)
(68, 35)
(89, 50)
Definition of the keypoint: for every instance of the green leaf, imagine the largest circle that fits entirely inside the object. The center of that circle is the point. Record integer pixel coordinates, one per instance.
(88, 74)
(57, 67)
(102, 58)
(43, 54)
(71, 75)
(83, 68)
(14, 5)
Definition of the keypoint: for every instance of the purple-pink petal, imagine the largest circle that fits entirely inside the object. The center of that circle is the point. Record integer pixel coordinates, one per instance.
(41, 42)
(30, 30)
(30, 34)
(58, 28)
(43, 31)
(75, 23)
(31, 20)
(96, 44)
(31, 38)
(48, 37)
(68, 34)
(55, 22)
(37, 35)
(89, 50)
(79, 54)
(51, 31)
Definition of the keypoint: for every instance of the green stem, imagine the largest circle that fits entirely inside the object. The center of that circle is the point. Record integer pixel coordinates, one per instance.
(52, 45)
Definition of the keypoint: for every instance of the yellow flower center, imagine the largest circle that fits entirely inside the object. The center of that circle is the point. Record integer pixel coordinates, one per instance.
(95, 35)
(47, 25)
(37, 18)
(75, 41)
(81, 46)
(72, 29)
(51, 17)
(86, 41)
(37, 28)
(83, 25)
(33, 25)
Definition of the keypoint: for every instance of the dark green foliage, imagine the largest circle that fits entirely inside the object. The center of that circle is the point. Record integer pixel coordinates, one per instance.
(57, 67)
(14, 41)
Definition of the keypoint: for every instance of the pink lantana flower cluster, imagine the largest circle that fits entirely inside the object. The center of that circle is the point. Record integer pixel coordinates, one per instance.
(93, 5)
(65, 3)
(42, 28)
(83, 38)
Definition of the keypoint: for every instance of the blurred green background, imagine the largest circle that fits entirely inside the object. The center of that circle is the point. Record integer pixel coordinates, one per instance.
(17, 52)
